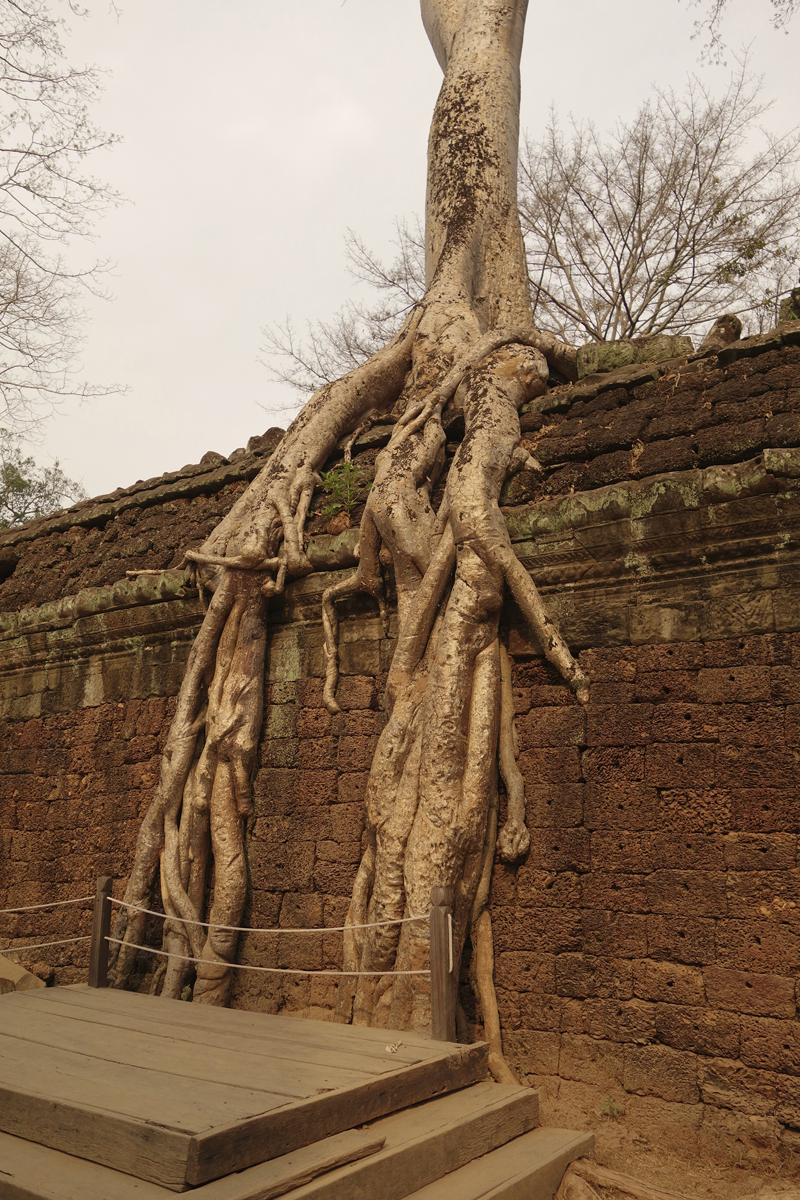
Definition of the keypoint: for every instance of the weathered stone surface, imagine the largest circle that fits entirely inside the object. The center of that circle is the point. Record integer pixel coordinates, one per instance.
(648, 946)
(597, 357)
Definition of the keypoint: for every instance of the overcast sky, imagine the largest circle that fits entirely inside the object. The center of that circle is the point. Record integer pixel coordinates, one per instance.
(254, 134)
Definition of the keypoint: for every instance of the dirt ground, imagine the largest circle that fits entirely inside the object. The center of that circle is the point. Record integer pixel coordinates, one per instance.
(687, 1176)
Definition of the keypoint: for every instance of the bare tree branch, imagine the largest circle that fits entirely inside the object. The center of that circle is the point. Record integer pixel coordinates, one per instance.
(662, 224)
(47, 200)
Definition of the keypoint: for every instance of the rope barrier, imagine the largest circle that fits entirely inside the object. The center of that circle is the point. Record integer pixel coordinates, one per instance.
(249, 929)
(52, 904)
(267, 970)
(43, 945)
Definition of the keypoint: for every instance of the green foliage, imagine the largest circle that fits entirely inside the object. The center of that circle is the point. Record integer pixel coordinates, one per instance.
(28, 490)
(345, 487)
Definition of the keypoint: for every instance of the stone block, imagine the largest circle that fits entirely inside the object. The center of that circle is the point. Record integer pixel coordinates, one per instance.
(312, 722)
(613, 934)
(308, 692)
(751, 724)
(613, 764)
(666, 687)
(287, 867)
(561, 850)
(281, 721)
(580, 976)
(681, 939)
(541, 930)
(761, 945)
(674, 657)
(685, 723)
(750, 992)
(554, 805)
(611, 1020)
(355, 753)
(771, 1045)
(623, 850)
(680, 765)
(615, 892)
(334, 878)
(785, 685)
(616, 663)
(540, 1011)
(760, 851)
(619, 724)
(755, 766)
(587, 1060)
(620, 805)
(545, 889)
(550, 765)
(668, 982)
(755, 894)
(303, 787)
(663, 1072)
(688, 892)
(525, 971)
(690, 850)
(554, 726)
(698, 1029)
(357, 692)
(763, 809)
(352, 787)
(745, 685)
(533, 1052)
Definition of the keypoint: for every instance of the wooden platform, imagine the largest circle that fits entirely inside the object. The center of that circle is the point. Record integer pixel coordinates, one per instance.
(479, 1143)
(179, 1094)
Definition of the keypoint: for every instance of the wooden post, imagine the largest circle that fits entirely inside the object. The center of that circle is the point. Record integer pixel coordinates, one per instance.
(443, 976)
(101, 928)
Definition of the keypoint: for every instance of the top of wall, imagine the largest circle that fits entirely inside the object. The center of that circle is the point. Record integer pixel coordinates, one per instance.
(624, 425)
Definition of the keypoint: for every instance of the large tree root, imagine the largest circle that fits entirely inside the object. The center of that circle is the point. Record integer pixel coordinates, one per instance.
(432, 789)
(582, 1177)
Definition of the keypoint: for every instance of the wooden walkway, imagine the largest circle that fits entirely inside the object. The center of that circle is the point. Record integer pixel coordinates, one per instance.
(180, 1094)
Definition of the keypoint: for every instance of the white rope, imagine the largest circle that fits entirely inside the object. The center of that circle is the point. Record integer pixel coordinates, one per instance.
(250, 929)
(42, 945)
(52, 904)
(248, 967)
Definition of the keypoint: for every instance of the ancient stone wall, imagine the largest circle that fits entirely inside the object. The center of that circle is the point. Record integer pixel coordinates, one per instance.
(648, 947)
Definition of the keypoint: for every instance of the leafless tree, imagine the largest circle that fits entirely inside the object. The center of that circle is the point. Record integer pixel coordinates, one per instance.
(663, 224)
(709, 25)
(660, 226)
(332, 348)
(46, 201)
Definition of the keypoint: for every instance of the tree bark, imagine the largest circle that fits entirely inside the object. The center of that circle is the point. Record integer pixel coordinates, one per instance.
(432, 788)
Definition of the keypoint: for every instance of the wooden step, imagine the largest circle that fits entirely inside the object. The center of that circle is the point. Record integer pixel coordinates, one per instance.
(29, 1171)
(179, 1096)
(387, 1160)
(529, 1168)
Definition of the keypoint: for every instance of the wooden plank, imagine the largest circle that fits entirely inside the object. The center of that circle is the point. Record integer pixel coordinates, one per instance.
(425, 1143)
(256, 1140)
(101, 928)
(178, 1024)
(32, 1172)
(443, 983)
(530, 1168)
(235, 1019)
(172, 1056)
(169, 1101)
(124, 1143)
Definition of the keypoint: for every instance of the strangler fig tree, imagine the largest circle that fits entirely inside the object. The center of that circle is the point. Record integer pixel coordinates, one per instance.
(432, 793)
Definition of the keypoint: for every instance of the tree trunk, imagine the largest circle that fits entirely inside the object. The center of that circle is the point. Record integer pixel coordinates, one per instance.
(434, 777)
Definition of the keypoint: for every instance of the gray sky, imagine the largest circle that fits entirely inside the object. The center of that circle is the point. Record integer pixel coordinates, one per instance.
(255, 133)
